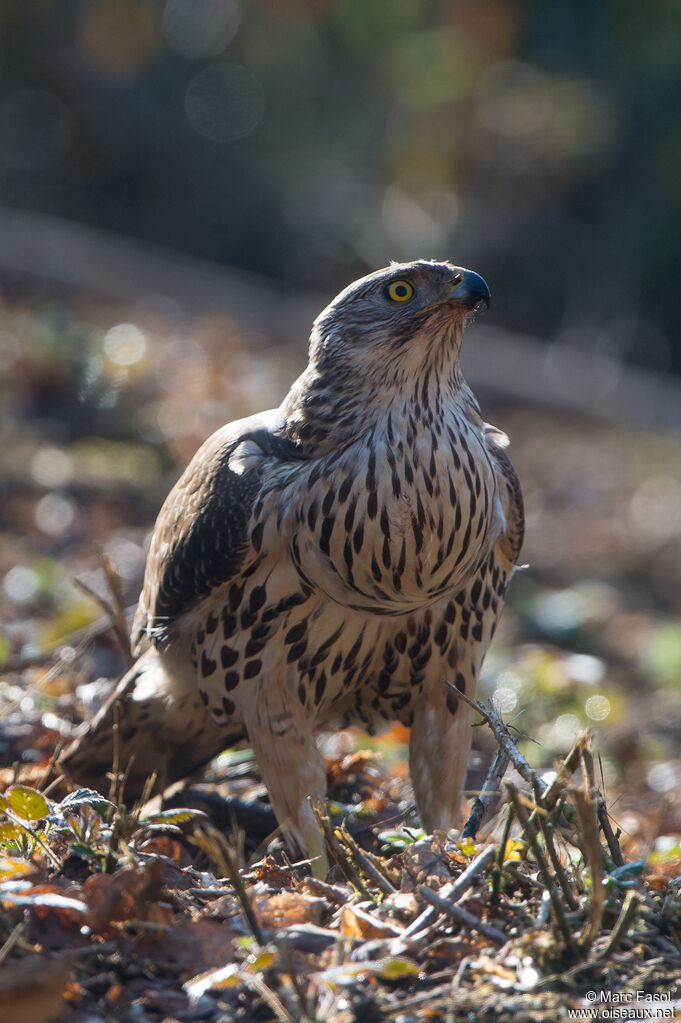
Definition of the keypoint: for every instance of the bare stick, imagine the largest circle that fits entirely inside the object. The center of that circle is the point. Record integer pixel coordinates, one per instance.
(501, 856)
(49, 770)
(565, 770)
(214, 843)
(339, 854)
(504, 739)
(489, 792)
(452, 891)
(610, 837)
(118, 607)
(628, 912)
(558, 867)
(365, 864)
(530, 830)
(17, 934)
(586, 810)
(110, 616)
(463, 916)
(115, 790)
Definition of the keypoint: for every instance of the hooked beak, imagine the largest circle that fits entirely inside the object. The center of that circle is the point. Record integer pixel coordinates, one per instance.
(469, 290)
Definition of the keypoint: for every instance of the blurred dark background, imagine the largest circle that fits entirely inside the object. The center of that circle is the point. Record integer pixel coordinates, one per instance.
(310, 140)
(185, 183)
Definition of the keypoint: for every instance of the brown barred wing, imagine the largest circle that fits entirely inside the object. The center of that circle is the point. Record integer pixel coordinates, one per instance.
(202, 537)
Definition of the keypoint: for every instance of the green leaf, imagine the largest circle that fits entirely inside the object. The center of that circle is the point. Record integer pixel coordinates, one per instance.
(85, 797)
(396, 841)
(397, 967)
(84, 852)
(10, 832)
(27, 803)
(10, 867)
(176, 816)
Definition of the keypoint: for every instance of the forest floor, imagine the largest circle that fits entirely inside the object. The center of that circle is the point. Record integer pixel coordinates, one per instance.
(186, 911)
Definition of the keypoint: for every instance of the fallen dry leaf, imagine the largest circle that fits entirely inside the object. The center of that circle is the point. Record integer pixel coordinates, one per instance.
(357, 923)
(287, 908)
(125, 895)
(425, 862)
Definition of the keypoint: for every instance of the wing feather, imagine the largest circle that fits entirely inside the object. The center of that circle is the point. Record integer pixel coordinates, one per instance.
(201, 539)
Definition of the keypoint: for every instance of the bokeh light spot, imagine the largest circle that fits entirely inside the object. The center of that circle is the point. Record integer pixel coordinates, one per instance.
(51, 467)
(504, 699)
(597, 707)
(585, 668)
(202, 28)
(21, 584)
(55, 514)
(224, 102)
(125, 344)
(563, 732)
(663, 776)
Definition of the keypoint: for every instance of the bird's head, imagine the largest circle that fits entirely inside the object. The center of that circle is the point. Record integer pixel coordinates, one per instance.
(397, 321)
(375, 341)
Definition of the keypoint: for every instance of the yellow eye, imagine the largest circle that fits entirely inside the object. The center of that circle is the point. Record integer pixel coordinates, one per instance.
(400, 291)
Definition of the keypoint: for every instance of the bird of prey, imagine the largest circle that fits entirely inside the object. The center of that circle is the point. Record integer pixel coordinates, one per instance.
(336, 560)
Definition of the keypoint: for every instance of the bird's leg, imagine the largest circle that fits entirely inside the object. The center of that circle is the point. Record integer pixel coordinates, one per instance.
(292, 767)
(439, 745)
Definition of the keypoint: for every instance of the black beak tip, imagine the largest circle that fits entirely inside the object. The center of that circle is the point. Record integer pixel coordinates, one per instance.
(471, 291)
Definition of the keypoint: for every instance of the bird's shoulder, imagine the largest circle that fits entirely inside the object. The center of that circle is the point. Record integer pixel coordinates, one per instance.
(201, 538)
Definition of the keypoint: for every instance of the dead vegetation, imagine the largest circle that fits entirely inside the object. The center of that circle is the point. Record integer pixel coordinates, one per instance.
(111, 912)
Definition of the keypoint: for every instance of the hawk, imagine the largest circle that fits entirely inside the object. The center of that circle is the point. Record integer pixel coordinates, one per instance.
(334, 560)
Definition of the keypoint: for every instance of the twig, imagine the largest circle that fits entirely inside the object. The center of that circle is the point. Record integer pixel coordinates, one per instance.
(452, 891)
(463, 916)
(500, 857)
(14, 936)
(530, 830)
(365, 864)
(114, 611)
(115, 792)
(42, 784)
(628, 912)
(587, 762)
(513, 871)
(565, 770)
(118, 610)
(586, 810)
(213, 843)
(504, 739)
(79, 638)
(35, 836)
(286, 953)
(269, 997)
(340, 855)
(610, 837)
(488, 793)
(558, 867)
(333, 892)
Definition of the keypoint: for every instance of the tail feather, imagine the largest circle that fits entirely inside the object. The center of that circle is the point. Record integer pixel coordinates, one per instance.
(149, 729)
